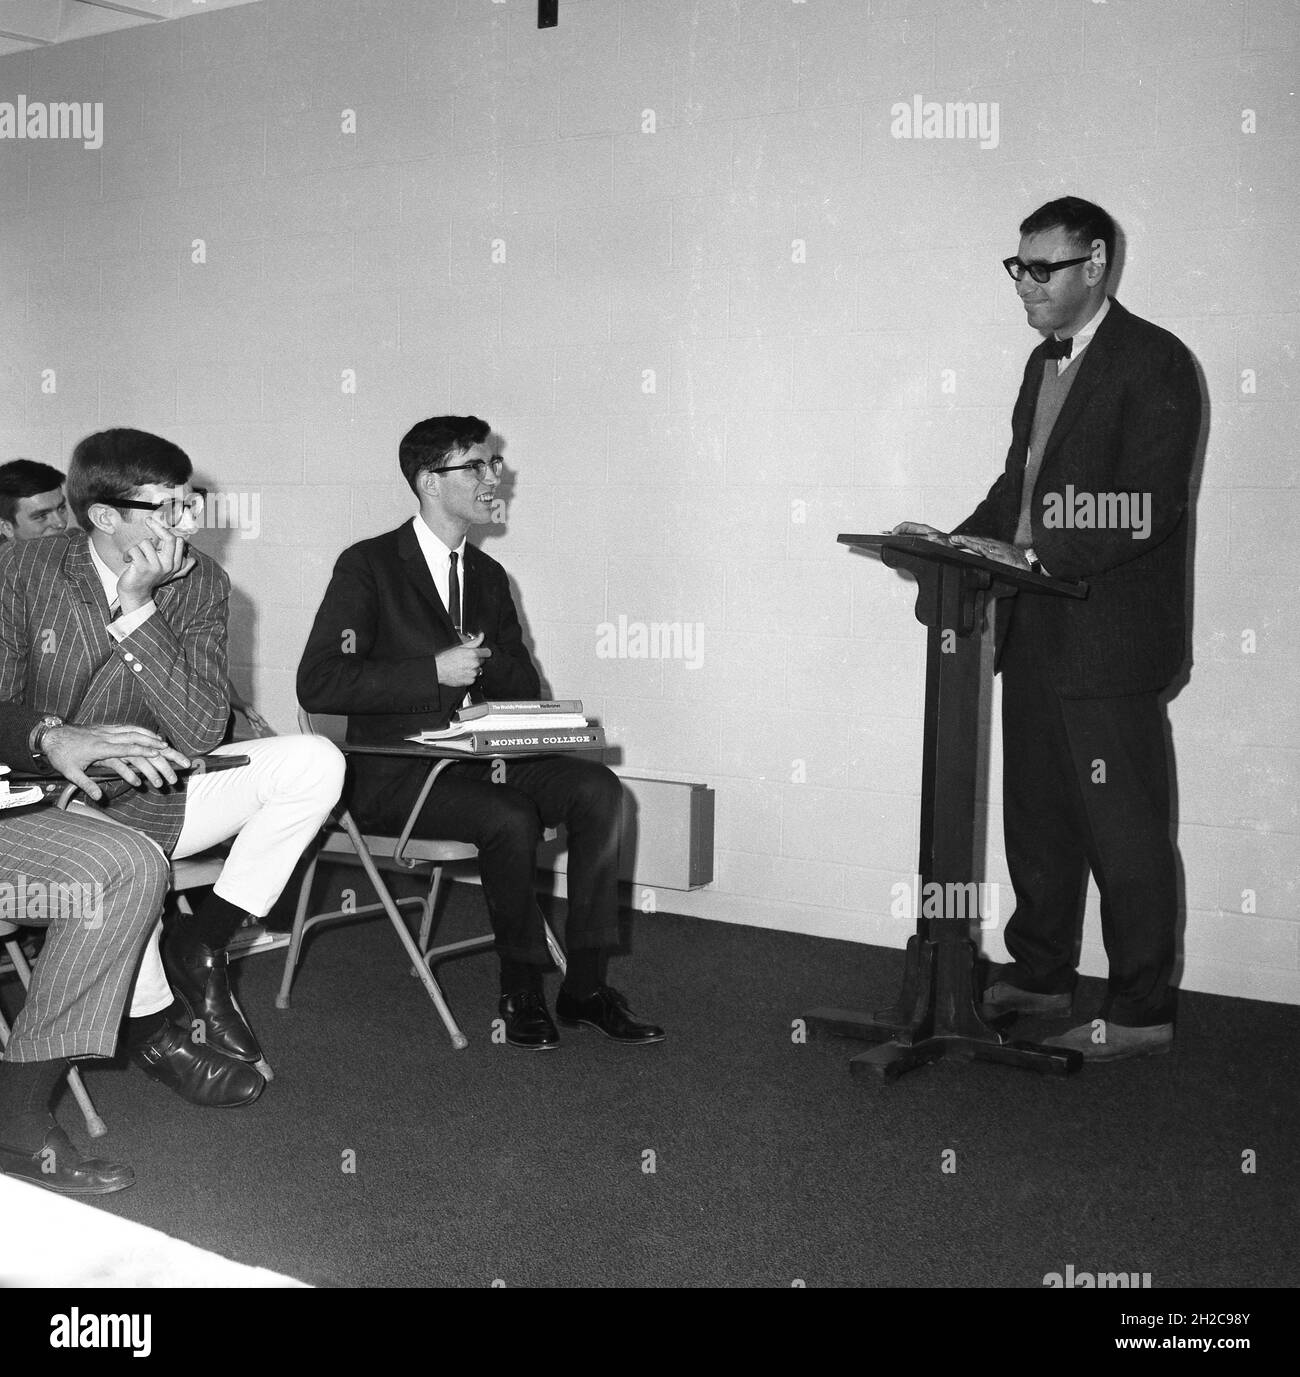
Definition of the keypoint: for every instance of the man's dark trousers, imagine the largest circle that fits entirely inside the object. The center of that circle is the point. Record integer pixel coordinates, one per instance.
(505, 820)
(1086, 785)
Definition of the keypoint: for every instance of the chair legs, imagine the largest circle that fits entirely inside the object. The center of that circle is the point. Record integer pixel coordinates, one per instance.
(434, 955)
(392, 907)
(423, 957)
(95, 1126)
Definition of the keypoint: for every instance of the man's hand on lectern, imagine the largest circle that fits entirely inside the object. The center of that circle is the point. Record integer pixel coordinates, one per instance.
(999, 550)
(917, 528)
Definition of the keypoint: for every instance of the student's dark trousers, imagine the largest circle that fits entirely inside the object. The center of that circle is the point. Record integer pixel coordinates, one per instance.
(505, 820)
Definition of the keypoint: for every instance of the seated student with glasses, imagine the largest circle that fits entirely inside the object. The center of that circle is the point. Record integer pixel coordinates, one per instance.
(411, 621)
(123, 622)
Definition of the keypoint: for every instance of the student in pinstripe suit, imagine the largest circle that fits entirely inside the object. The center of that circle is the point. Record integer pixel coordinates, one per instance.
(97, 889)
(122, 622)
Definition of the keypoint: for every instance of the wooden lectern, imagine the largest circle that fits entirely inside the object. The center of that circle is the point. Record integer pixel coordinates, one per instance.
(935, 1015)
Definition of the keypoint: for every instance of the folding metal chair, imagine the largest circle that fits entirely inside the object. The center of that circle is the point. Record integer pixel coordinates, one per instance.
(344, 841)
(95, 1126)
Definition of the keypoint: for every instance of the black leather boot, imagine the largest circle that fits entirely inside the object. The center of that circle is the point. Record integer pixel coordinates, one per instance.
(200, 978)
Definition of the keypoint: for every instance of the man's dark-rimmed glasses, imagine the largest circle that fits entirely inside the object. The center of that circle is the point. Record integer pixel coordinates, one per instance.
(170, 509)
(1038, 269)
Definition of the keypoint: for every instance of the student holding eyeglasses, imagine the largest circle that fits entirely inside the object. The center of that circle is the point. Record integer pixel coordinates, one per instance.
(1096, 488)
(414, 619)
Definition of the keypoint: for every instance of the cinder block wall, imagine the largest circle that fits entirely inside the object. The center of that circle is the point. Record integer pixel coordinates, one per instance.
(674, 250)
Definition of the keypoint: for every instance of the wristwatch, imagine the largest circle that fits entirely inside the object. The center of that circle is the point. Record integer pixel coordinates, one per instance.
(37, 735)
(1035, 566)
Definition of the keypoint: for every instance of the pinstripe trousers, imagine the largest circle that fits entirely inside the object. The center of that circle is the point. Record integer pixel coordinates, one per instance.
(98, 888)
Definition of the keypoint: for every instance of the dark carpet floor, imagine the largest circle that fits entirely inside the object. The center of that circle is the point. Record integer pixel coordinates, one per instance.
(728, 1156)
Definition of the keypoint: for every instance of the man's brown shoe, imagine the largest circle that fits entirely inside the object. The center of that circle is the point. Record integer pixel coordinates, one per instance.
(1103, 1041)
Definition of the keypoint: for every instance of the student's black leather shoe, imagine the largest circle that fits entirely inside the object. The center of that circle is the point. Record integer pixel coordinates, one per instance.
(528, 1023)
(606, 1011)
(196, 1072)
(57, 1166)
(200, 978)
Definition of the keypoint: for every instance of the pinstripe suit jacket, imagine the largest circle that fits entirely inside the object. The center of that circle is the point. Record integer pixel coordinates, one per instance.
(168, 675)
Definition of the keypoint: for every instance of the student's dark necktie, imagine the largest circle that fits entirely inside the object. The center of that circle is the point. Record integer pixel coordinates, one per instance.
(474, 694)
(453, 594)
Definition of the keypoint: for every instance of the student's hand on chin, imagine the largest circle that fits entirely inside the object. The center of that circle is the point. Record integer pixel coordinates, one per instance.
(172, 550)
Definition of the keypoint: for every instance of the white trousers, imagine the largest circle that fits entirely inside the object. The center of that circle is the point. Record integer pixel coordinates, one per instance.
(272, 807)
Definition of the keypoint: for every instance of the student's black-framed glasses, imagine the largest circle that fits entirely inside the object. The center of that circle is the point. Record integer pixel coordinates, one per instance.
(170, 509)
(1039, 270)
(480, 467)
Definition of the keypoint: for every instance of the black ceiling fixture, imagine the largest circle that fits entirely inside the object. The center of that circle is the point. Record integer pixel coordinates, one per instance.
(548, 13)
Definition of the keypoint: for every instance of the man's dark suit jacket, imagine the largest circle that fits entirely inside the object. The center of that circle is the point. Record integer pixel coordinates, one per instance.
(1129, 424)
(168, 675)
(373, 649)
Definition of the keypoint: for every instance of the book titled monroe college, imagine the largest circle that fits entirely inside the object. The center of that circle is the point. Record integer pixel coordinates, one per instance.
(527, 726)
(587, 737)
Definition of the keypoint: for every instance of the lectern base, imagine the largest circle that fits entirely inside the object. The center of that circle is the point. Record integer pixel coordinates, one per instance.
(899, 1055)
(893, 1058)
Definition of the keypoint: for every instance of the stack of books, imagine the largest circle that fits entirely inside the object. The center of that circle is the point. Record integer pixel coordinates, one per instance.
(529, 727)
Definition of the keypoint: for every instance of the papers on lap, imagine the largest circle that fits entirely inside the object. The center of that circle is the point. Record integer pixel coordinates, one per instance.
(516, 722)
(17, 798)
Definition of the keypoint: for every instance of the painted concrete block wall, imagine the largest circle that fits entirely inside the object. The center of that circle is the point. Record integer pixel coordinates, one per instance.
(719, 311)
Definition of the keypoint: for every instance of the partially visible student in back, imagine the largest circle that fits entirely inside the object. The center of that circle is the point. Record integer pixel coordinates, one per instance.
(31, 500)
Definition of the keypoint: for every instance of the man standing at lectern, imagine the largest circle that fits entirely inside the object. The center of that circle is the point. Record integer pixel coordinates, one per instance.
(1096, 488)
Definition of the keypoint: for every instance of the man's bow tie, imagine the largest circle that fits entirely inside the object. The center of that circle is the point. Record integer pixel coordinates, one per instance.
(1059, 348)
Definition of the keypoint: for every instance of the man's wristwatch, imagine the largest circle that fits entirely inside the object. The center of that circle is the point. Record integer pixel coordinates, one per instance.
(36, 738)
(1032, 560)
